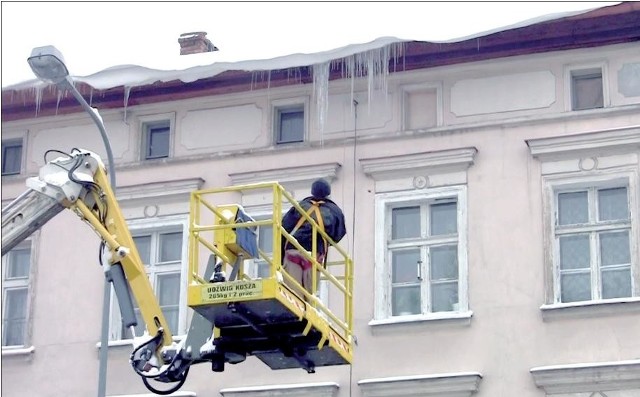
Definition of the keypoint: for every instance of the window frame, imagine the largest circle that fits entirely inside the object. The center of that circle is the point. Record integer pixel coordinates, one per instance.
(555, 184)
(145, 123)
(20, 283)
(145, 226)
(384, 202)
(571, 72)
(10, 143)
(282, 106)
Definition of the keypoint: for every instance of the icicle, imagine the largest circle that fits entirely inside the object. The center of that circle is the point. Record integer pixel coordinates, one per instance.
(127, 92)
(38, 95)
(91, 97)
(59, 97)
(321, 94)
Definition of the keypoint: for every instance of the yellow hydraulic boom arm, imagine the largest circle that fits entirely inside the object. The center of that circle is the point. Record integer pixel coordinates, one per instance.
(78, 182)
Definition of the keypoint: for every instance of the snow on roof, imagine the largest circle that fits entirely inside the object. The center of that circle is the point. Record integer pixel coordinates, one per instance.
(198, 66)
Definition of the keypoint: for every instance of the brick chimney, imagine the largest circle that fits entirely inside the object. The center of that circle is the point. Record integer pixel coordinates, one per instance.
(195, 43)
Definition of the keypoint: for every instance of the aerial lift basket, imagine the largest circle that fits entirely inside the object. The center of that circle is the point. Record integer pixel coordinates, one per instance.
(272, 317)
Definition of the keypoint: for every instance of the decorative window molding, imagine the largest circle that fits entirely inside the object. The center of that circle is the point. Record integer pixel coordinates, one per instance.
(420, 170)
(321, 389)
(296, 180)
(588, 377)
(178, 190)
(599, 143)
(462, 384)
(419, 101)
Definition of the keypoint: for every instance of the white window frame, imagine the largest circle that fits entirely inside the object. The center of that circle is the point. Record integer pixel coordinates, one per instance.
(26, 282)
(14, 142)
(562, 183)
(278, 106)
(153, 225)
(383, 204)
(145, 122)
(598, 157)
(571, 70)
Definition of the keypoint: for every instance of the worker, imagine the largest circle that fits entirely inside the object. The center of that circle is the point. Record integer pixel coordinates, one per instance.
(329, 218)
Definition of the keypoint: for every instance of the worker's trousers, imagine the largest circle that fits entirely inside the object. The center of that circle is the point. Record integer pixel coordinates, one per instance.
(301, 270)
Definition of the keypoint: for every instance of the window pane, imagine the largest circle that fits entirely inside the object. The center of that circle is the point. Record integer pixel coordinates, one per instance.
(158, 142)
(616, 283)
(574, 252)
(143, 244)
(587, 91)
(15, 317)
(170, 247)
(265, 238)
(405, 222)
(444, 296)
(444, 218)
(444, 262)
(405, 265)
(612, 204)
(18, 263)
(291, 126)
(573, 208)
(168, 290)
(11, 158)
(575, 287)
(405, 301)
(614, 248)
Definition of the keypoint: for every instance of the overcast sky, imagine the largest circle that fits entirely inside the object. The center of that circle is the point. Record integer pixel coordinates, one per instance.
(93, 36)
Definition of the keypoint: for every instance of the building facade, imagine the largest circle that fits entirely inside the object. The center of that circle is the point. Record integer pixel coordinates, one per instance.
(491, 189)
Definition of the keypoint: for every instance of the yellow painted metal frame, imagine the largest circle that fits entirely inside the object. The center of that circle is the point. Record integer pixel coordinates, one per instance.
(115, 232)
(205, 223)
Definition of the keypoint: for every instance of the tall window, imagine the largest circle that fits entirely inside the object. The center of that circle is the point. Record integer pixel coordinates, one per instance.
(593, 246)
(587, 89)
(424, 252)
(16, 266)
(289, 124)
(161, 253)
(11, 156)
(156, 139)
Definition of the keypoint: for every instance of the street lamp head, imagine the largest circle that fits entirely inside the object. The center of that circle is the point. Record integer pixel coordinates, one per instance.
(48, 64)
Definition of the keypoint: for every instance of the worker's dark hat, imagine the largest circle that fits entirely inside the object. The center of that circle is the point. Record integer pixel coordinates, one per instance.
(320, 188)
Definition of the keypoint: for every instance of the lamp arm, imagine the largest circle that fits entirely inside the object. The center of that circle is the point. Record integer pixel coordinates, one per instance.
(95, 116)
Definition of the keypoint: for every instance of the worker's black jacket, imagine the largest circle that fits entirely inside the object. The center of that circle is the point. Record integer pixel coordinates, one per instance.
(332, 217)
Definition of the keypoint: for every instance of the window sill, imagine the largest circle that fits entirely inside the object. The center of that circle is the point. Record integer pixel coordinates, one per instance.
(454, 317)
(590, 308)
(129, 342)
(17, 351)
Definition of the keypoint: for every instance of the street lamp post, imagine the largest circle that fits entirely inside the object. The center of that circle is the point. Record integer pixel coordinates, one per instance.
(48, 65)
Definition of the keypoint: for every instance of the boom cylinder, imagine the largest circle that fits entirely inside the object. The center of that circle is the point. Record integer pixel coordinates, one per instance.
(24, 215)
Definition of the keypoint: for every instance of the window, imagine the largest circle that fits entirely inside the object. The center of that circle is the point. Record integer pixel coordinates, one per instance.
(423, 250)
(259, 268)
(592, 235)
(156, 139)
(586, 89)
(290, 124)
(590, 185)
(11, 157)
(162, 250)
(16, 266)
